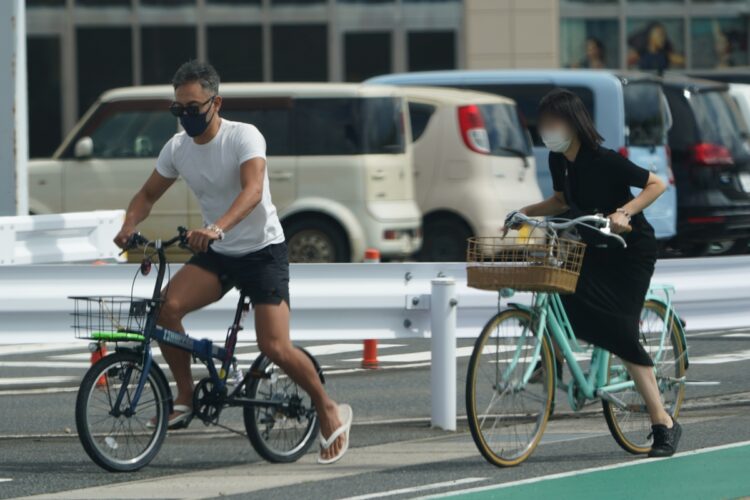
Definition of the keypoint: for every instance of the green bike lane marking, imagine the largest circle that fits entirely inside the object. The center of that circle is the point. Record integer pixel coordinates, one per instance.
(716, 472)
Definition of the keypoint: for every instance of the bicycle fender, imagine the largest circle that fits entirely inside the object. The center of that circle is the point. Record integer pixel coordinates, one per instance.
(680, 327)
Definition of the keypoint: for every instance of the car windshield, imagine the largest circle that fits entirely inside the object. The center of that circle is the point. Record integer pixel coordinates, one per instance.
(506, 134)
(645, 114)
(718, 121)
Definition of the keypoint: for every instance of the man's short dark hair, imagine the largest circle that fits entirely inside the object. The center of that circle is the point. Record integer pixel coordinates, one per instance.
(196, 71)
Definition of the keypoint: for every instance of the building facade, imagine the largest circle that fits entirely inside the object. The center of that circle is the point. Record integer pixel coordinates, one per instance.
(80, 48)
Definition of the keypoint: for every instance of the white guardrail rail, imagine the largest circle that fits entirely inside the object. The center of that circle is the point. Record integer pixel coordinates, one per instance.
(347, 301)
(357, 301)
(70, 237)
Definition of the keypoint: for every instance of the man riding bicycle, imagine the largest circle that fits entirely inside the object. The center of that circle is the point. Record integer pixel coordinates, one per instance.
(224, 164)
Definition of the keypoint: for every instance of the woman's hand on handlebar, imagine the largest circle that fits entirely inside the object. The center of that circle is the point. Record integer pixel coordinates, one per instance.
(511, 221)
(200, 239)
(619, 223)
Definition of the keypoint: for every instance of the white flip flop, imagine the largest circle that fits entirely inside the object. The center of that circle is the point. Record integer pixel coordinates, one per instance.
(178, 422)
(346, 415)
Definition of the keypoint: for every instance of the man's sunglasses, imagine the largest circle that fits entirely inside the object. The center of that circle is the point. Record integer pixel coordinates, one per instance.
(178, 109)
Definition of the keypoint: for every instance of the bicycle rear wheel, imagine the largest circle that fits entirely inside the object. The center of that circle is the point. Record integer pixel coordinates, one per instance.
(631, 425)
(285, 431)
(507, 417)
(116, 439)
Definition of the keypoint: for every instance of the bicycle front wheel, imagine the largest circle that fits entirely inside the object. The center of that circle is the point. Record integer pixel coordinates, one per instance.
(508, 416)
(117, 438)
(630, 425)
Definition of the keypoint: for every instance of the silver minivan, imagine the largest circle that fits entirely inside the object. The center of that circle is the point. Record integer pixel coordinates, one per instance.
(629, 110)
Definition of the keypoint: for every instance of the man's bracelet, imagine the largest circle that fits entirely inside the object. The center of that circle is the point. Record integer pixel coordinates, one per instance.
(216, 229)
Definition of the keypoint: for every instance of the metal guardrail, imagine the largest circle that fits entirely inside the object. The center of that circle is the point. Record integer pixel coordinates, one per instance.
(347, 301)
(70, 237)
(357, 301)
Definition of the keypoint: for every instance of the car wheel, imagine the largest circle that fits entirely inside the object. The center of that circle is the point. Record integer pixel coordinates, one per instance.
(316, 240)
(739, 247)
(694, 249)
(444, 240)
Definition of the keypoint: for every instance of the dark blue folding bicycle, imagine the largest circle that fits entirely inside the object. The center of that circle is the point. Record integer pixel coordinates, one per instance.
(124, 399)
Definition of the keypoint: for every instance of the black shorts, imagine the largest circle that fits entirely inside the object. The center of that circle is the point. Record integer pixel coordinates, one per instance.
(262, 275)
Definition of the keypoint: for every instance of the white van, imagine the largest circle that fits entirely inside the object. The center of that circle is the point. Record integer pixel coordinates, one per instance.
(339, 162)
(473, 162)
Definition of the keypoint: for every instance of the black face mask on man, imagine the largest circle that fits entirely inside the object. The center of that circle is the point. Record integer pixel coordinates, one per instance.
(192, 120)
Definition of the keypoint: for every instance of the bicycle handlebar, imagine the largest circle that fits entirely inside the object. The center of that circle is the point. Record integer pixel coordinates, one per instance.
(137, 240)
(600, 223)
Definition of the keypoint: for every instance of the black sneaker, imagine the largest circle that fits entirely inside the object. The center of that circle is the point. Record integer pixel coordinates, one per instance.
(665, 439)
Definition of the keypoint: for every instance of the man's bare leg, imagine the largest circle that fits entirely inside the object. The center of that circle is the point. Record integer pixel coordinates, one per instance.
(272, 331)
(191, 288)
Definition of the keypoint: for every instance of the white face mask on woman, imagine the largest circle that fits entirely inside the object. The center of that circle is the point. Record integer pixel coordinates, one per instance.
(556, 140)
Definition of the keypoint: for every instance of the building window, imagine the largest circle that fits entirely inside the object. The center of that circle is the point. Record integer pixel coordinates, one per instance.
(431, 50)
(103, 3)
(236, 52)
(297, 2)
(291, 63)
(719, 43)
(588, 43)
(366, 55)
(45, 99)
(45, 3)
(105, 61)
(163, 50)
(656, 45)
(234, 2)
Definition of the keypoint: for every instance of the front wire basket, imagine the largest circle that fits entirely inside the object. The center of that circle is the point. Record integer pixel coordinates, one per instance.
(112, 317)
(530, 264)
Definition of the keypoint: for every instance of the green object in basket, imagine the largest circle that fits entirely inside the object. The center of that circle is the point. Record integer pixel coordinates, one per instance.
(117, 336)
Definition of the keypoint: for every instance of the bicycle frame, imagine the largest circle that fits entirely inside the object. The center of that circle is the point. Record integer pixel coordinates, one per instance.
(203, 349)
(548, 313)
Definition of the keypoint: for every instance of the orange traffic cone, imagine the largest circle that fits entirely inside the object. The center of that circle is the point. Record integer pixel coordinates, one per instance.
(98, 351)
(370, 354)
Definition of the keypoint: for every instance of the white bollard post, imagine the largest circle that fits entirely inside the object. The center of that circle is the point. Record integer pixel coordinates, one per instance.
(443, 369)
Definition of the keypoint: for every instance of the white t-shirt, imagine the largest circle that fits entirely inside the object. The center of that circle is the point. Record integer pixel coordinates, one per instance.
(212, 171)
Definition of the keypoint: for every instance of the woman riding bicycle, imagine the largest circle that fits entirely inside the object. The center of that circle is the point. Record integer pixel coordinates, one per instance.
(605, 310)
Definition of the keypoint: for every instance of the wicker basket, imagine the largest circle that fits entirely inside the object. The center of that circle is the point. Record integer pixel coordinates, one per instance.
(532, 264)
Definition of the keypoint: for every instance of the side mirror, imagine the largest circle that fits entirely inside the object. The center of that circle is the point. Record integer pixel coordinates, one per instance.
(84, 148)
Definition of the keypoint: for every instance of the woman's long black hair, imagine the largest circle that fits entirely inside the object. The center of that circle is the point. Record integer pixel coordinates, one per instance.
(567, 106)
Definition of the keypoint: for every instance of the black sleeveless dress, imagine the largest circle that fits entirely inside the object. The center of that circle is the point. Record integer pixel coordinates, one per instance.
(606, 307)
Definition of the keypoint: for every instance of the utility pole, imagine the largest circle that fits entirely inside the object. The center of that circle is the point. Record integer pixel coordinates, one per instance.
(14, 130)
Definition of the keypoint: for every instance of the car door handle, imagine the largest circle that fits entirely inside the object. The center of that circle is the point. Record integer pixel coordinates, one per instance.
(379, 175)
(281, 176)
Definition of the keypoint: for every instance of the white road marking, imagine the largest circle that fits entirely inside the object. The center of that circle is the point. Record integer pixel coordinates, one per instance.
(738, 335)
(717, 359)
(619, 465)
(36, 380)
(414, 489)
(11, 349)
(5, 480)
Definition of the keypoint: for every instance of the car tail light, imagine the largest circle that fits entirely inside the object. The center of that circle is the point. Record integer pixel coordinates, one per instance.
(670, 172)
(711, 154)
(623, 151)
(473, 131)
(706, 220)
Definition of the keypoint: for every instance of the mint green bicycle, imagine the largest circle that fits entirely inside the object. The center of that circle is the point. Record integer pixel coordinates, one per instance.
(513, 372)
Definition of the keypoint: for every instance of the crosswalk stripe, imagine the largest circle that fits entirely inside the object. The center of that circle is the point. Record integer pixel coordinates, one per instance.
(11, 349)
(35, 380)
(717, 359)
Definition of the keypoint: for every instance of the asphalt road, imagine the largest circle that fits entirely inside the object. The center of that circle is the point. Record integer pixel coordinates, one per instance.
(394, 451)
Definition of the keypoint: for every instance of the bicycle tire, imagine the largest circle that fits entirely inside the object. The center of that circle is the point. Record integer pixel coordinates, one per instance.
(544, 374)
(252, 415)
(616, 418)
(102, 376)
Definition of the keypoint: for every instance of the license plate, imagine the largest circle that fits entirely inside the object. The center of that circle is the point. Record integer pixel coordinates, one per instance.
(745, 181)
